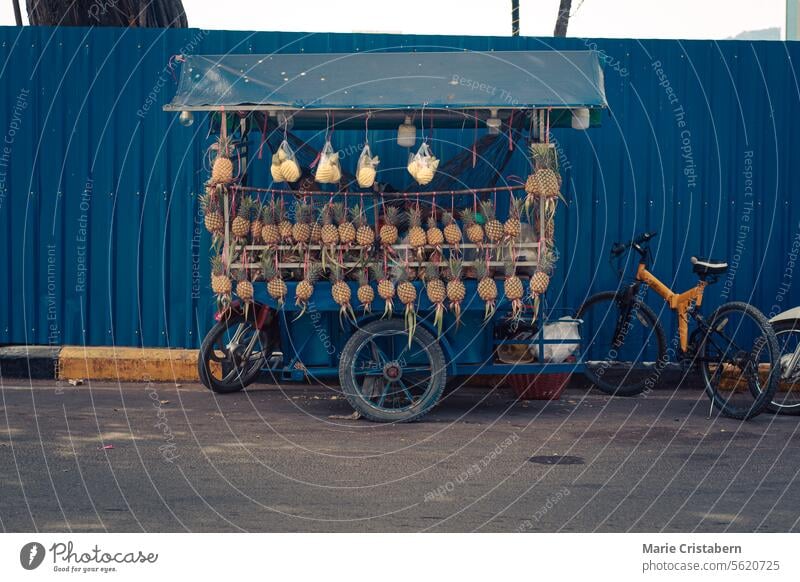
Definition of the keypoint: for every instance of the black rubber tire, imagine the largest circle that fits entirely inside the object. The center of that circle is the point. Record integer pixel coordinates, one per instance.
(784, 327)
(635, 388)
(203, 359)
(761, 400)
(361, 404)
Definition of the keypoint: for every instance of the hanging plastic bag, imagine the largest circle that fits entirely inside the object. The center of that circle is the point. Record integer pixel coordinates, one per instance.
(328, 170)
(565, 328)
(284, 164)
(365, 171)
(423, 165)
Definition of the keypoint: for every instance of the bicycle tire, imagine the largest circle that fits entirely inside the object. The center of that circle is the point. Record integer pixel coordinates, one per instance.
(775, 406)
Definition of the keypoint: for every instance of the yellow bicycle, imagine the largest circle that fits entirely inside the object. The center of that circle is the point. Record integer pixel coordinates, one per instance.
(627, 352)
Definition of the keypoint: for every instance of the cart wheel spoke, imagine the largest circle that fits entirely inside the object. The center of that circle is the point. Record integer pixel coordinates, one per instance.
(385, 391)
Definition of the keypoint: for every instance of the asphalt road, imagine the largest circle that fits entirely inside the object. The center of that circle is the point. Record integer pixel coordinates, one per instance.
(268, 460)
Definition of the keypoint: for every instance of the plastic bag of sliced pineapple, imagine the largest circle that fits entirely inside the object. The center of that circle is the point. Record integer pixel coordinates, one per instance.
(423, 165)
(366, 168)
(284, 164)
(328, 169)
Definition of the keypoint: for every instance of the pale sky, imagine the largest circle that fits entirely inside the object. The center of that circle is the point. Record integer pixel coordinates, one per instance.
(715, 19)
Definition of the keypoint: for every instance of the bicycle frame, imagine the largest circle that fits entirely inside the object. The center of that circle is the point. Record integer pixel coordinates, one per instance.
(681, 303)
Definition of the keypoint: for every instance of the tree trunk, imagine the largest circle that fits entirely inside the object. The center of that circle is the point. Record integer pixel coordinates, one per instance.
(514, 17)
(563, 18)
(139, 13)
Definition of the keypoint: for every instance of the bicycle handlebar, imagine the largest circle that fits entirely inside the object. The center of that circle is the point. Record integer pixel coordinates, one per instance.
(618, 248)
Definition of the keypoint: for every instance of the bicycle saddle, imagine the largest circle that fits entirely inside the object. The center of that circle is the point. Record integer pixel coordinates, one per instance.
(705, 267)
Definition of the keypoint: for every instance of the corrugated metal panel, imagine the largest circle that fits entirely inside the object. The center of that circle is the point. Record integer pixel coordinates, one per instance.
(98, 219)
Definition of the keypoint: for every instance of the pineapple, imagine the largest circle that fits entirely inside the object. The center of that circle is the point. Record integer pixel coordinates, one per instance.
(270, 233)
(244, 288)
(240, 227)
(487, 288)
(365, 293)
(436, 291)
(213, 219)
(301, 230)
(276, 286)
(347, 232)
(220, 283)
(513, 226)
(416, 235)
(452, 232)
(388, 232)
(513, 290)
(365, 236)
(541, 277)
(305, 288)
(341, 294)
(545, 181)
(385, 290)
(434, 233)
(456, 292)
(492, 227)
(407, 294)
(329, 234)
(473, 229)
(256, 225)
(285, 226)
(222, 169)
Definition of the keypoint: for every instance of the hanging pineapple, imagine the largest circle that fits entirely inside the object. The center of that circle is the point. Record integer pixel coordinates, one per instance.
(365, 293)
(316, 230)
(434, 234)
(276, 286)
(540, 280)
(416, 235)
(407, 294)
(452, 232)
(256, 225)
(285, 226)
(545, 182)
(512, 227)
(492, 227)
(473, 229)
(213, 219)
(244, 289)
(365, 236)
(240, 226)
(347, 232)
(388, 232)
(513, 290)
(301, 229)
(270, 233)
(436, 291)
(220, 283)
(456, 292)
(329, 234)
(386, 290)
(222, 169)
(305, 288)
(340, 291)
(487, 288)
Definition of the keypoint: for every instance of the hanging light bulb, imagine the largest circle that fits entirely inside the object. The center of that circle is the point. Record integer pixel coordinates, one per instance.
(186, 118)
(407, 133)
(493, 123)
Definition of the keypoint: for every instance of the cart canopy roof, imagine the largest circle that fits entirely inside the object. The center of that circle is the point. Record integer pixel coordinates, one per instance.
(391, 81)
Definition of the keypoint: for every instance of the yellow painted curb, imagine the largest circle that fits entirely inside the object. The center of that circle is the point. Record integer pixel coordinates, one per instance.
(127, 364)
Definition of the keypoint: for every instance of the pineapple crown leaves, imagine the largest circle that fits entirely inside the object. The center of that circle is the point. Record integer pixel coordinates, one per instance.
(223, 147)
(400, 273)
(432, 272)
(362, 276)
(432, 221)
(268, 266)
(313, 273)
(340, 211)
(326, 214)
(414, 217)
(482, 270)
(544, 156)
(268, 213)
(336, 273)
(376, 272)
(547, 262)
(509, 268)
(487, 209)
(515, 208)
(245, 207)
(447, 218)
(454, 268)
(358, 215)
(391, 215)
(217, 268)
(468, 216)
(302, 212)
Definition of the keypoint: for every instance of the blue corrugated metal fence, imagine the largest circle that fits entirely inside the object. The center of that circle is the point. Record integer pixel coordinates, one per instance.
(102, 241)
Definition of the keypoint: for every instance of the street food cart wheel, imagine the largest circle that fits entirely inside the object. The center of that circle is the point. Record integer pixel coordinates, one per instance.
(233, 353)
(388, 379)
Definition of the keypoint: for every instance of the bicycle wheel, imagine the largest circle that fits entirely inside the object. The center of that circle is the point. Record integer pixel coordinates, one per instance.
(232, 354)
(737, 351)
(626, 350)
(787, 396)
